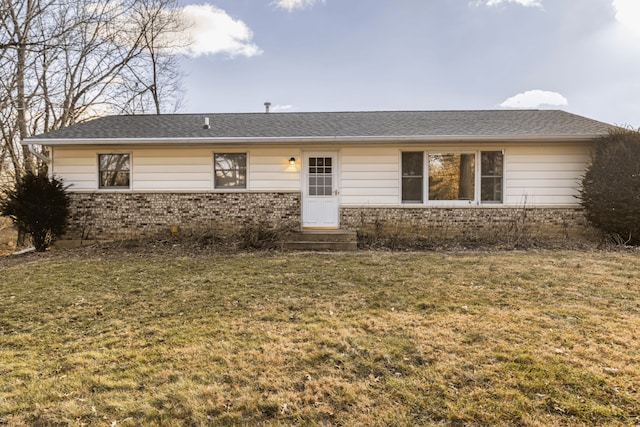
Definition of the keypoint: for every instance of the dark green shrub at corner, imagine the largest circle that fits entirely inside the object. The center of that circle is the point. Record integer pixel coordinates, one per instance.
(39, 207)
(611, 186)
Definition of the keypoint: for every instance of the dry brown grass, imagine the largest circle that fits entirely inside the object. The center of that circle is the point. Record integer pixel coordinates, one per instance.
(469, 338)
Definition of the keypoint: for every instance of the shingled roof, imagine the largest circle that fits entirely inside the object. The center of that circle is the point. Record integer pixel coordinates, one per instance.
(334, 126)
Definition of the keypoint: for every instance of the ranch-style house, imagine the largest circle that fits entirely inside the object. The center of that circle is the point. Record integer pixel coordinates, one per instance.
(421, 173)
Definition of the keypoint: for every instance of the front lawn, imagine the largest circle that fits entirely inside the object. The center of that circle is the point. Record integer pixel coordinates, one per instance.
(371, 338)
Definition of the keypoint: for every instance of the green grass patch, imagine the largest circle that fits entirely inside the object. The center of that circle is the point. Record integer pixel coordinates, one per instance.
(470, 338)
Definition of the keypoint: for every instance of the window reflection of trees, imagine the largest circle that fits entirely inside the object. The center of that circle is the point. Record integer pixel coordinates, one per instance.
(230, 170)
(452, 176)
(114, 170)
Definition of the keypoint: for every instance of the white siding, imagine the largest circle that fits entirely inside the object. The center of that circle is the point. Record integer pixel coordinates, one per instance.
(77, 167)
(178, 168)
(171, 168)
(535, 174)
(370, 176)
(545, 175)
(269, 169)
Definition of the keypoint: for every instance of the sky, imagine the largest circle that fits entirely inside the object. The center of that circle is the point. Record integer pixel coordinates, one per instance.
(581, 56)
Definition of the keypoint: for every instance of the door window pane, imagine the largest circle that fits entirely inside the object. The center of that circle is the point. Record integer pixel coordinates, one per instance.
(320, 176)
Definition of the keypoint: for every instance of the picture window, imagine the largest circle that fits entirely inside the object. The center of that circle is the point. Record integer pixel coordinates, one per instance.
(452, 177)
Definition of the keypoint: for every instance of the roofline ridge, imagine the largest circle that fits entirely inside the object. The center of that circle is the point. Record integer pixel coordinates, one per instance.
(463, 110)
(498, 122)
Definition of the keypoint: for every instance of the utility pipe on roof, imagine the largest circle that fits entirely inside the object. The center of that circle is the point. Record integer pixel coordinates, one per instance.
(39, 155)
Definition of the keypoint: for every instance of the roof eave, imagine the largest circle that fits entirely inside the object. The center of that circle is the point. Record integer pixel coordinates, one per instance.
(311, 139)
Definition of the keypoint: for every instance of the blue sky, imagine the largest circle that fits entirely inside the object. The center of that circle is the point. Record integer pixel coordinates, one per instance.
(582, 56)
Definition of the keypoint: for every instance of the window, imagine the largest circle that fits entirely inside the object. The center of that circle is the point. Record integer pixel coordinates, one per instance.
(115, 170)
(230, 170)
(472, 177)
(412, 173)
(452, 176)
(320, 176)
(491, 177)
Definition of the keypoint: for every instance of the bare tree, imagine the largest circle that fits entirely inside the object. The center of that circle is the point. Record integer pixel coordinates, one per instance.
(153, 80)
(82, 73)
(67, 61)
(19, 18)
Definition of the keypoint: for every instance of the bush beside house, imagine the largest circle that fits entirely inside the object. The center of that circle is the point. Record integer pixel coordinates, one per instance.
(39, 207)
(610, 190)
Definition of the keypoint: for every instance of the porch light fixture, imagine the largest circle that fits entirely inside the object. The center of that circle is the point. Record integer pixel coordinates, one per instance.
(292, 161)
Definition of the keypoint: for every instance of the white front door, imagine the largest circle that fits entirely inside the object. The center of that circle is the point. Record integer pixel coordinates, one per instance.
(320, 193)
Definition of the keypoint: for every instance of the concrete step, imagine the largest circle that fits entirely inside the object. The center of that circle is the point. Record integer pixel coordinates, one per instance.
(321, 240)
(323, 236)
(320, 246)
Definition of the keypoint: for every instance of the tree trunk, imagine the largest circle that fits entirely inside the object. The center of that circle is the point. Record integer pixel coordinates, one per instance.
(21, 100)
(467, 177)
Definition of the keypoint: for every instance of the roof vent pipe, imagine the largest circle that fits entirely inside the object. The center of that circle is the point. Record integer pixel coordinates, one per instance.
(266, 106)
(206, 123)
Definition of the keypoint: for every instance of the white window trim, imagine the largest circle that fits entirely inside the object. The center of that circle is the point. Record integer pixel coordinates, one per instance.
(213, 172)
(424, 178)
(112, 189)
(479, 178)
(452, 203)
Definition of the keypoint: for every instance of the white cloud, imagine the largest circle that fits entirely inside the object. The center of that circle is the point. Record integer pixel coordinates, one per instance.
(628, 14)
(291, 5)
(211, 31)
(280, 108)
(535, 99)
(526, 3)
